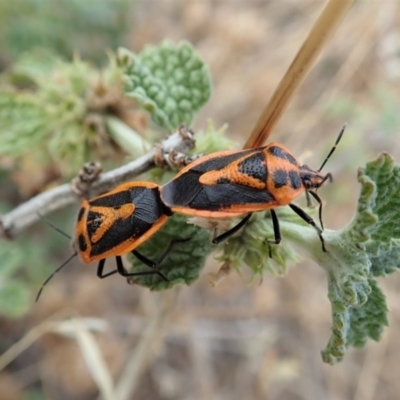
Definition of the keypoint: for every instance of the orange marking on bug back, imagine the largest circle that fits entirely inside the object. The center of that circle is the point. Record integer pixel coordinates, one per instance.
(284, 180)
(108, 217)
(232, 174)
(126, 246)
(204, 159)
(285, 194)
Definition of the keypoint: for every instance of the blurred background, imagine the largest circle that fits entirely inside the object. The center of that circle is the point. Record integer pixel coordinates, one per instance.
(237, 340)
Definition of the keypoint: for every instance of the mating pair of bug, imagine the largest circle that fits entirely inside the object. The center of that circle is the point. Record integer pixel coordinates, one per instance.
(220, 185)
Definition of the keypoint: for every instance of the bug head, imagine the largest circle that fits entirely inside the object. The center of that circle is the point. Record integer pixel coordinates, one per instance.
(314, 179)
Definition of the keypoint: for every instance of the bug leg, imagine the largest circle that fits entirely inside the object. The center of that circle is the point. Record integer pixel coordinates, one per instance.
(309, 204)
(277, 232)
(302, 214)
(155, 264)
(100, 269)
(316, 197)
(122, 271)
(232, 231)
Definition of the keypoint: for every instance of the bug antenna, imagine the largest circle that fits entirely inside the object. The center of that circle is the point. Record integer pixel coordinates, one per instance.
(48, 222)
(58, 269)
(334, 147)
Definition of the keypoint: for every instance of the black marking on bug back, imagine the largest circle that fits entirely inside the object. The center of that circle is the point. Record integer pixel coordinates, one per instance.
(93, 222)
(217, 163)
(280, 177)
(148, 210)
(294, 180)
(122, 230)
(119, 198)
(254, 167)
(278, 152)
(82, 243)
(223, 196)
(81, 213)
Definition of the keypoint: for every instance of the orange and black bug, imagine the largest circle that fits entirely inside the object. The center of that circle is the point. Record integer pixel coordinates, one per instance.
(116, 223)
(231, 183)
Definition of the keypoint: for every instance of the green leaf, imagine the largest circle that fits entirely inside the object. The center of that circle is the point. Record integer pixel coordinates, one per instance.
(23, 123)
(30, 66)
(368, 321)
(183, 263)
(373, 234)
(251, 249)
(60, 115)
(126, 137)
(170, 81)
(375, 227)
(352, 326)
(386, 263)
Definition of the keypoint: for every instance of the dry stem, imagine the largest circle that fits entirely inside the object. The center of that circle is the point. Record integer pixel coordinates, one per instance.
(301, 65)
(27, 213)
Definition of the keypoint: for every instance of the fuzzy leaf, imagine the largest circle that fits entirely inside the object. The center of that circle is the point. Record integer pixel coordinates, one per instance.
(250, 247)
(53, 120)
(386, 263)
(368, 246)
(170, 81)
(23, 123)
(183, 263)
(375, 227)
(31, 65)
(352, 326)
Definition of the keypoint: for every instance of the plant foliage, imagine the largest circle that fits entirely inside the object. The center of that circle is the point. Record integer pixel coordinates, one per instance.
(47, 107)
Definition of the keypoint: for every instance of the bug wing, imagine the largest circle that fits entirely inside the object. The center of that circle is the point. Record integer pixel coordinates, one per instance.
(185, 187)
(187, 192)
(148, 206)
(227, 196)
(181, 192)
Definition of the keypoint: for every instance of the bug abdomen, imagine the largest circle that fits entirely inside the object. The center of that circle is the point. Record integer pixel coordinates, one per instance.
(119, 221)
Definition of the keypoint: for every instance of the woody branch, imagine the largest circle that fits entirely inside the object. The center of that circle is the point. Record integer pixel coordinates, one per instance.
(90, 183)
